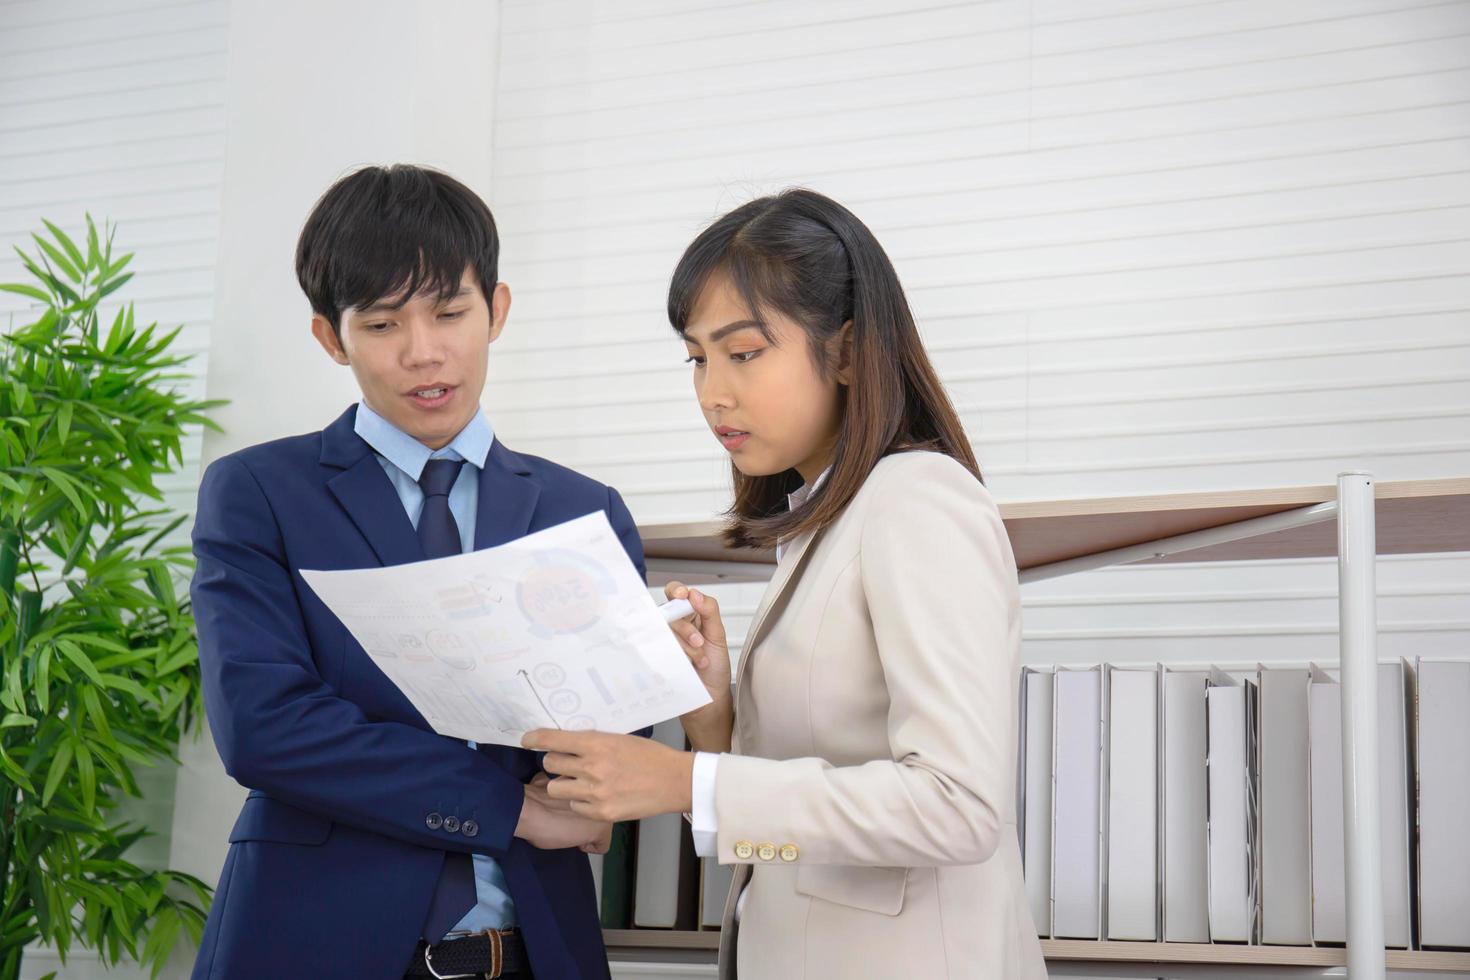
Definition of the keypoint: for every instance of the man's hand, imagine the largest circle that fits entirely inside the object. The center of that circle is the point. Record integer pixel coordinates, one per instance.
(550, 825)
(614, 777)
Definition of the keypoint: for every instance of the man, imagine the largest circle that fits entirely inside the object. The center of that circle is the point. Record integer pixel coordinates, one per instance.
(369, 846)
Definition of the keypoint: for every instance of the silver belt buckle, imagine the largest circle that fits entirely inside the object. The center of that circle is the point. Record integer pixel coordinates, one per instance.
(429, 963)
(497, 957)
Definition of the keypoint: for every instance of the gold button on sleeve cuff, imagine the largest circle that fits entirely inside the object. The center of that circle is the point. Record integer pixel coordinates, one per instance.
(766, 852)
(789, 853)
(744, 849)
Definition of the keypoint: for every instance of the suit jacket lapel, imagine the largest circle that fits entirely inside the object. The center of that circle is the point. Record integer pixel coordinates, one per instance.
(506, 504)
(366, 493)
(507, 501)
(775, 594)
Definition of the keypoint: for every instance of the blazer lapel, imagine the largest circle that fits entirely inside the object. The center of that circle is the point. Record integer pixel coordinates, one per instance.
(366, 493)
(507, 501)
(775, 594)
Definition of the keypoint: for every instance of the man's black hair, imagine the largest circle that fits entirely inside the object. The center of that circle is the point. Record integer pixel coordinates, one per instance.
(393, 231)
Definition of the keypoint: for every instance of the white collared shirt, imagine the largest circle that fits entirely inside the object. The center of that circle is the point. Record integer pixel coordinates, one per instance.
(704, 823)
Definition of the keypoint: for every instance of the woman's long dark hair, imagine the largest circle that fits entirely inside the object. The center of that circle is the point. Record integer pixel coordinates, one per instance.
(806, 256)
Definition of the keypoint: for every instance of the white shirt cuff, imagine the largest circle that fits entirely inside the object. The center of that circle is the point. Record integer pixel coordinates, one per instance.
(704, 824)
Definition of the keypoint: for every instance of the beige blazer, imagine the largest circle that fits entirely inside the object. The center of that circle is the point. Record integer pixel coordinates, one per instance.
(869, 800)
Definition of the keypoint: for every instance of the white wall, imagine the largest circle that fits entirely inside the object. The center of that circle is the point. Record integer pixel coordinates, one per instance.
(1152, 247)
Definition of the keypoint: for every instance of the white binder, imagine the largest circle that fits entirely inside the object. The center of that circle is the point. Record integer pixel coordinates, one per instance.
(1183, 804)
(1329, 883)
(1442, 751)
(1077, 813)
(1036, 792)
(714, 887)
(1230, 713)
(1133, 804)
(656, 884)
(1286, 838)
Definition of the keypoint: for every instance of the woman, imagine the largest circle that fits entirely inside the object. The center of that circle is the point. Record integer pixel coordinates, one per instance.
(863, 772)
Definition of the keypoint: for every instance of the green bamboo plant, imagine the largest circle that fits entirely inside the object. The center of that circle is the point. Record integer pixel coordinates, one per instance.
(100, 666)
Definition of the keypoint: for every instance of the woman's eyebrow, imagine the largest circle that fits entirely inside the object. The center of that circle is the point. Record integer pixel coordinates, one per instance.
(730, 328)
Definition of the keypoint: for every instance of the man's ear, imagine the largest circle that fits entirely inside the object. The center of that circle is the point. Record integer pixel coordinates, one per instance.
(321, 329)
(843, 340)
(499, 309)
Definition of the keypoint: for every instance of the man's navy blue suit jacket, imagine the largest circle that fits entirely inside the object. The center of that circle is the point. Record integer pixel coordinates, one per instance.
(332, 864)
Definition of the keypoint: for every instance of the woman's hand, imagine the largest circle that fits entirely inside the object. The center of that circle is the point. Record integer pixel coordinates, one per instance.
(550, 825)
(702, 636)
(614, 777)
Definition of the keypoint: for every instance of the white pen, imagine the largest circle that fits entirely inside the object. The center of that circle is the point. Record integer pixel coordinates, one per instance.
(675, 610)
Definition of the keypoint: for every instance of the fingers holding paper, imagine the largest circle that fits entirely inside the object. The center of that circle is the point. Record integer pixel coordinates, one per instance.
(613, 777)
(702, 638)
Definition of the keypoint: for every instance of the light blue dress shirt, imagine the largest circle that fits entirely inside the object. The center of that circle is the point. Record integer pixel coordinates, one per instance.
(403, 458)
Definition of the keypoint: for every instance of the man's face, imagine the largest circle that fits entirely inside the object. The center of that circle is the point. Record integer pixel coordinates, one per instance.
(421, 365)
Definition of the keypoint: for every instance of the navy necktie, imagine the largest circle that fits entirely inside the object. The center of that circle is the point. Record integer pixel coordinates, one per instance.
(439, 534)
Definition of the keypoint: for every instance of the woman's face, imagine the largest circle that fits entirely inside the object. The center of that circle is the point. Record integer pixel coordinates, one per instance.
(761, 395)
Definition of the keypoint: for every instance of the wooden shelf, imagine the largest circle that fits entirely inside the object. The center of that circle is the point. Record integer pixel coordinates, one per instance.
(660, 939)
(1413, 516)
(1205, 954)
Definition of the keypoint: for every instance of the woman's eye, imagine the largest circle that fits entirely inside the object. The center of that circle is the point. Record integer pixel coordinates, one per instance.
(376, 327)
(744, 356)
(452, 314)
(694, 359)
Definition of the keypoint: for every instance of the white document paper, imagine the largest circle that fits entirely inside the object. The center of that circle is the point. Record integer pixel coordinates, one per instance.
(553, 630)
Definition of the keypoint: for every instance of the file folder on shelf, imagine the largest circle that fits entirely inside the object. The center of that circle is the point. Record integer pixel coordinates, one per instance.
(1077, 810)
(1395, 770)
(1442, 752)
(1184, 800)
(1035, 792)
(1285, 818)
(656, 879)
(714, 887)
(1133, 804)
(1233, 868)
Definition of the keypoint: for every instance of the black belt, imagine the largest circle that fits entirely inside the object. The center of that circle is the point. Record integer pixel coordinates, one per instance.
(492, 953)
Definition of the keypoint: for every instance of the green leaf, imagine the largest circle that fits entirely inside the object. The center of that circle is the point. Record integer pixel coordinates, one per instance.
(66, 243)
(93, 703)
(105, 642)
(114, 268)
(127, 684)
(64, 484)
(94, 252)
(24, 290)
(77, 656)
(63, 420)
(113, 286)
(13, 720)
(43, 679)
(59, 764)
(71, 271)
(87, 773)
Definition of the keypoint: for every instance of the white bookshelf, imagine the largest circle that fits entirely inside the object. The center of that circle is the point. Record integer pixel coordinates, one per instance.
(1354, 520)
